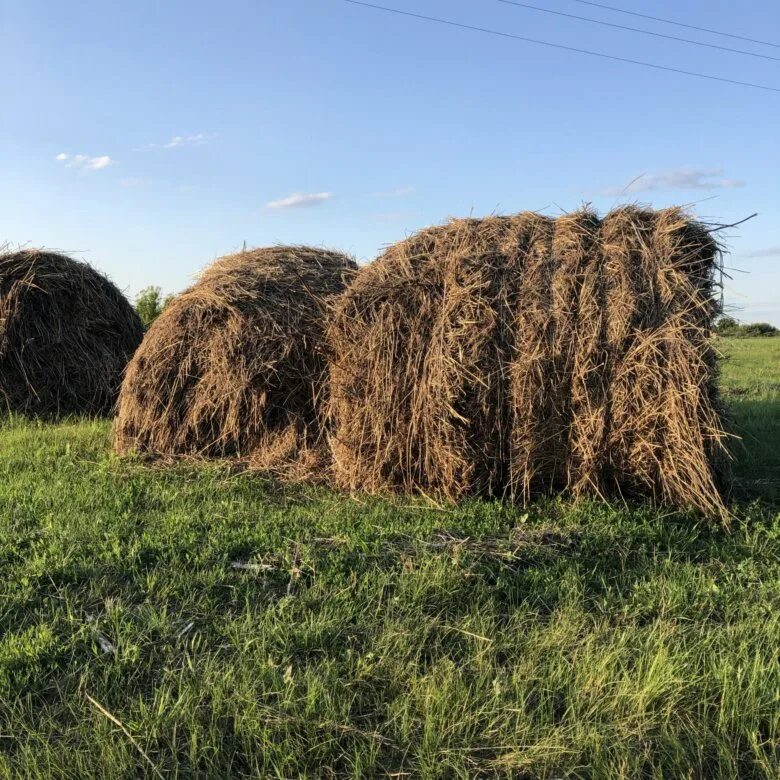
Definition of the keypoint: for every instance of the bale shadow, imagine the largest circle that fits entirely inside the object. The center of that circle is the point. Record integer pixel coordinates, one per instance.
(756, 453)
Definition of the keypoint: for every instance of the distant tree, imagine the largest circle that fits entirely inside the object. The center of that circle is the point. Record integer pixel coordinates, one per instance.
(760, 329)
(150, 304)
(728, 326)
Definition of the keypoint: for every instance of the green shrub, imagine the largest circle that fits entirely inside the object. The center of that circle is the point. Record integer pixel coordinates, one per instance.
(150, 304)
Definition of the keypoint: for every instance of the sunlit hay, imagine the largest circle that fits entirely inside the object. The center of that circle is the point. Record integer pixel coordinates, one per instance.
(532, 380)
(421, 345)
(514, 355)
(663, 433)
(632, 311)
(684, 415)
(66, 336)
(579, 348)
(237, 360)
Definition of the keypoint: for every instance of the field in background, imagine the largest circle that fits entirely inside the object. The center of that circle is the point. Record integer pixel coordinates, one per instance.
(193, 623)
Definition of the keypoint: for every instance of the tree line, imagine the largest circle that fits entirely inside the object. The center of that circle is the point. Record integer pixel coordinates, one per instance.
(728, 326)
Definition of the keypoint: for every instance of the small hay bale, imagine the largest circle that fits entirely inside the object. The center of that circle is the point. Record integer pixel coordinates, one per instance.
(66, 336)
(236, 365)
(512, 356)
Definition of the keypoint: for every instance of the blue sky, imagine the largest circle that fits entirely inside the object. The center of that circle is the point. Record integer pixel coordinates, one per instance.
(151, 137)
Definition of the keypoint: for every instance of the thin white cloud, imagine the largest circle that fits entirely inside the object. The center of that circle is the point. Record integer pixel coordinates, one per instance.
(84, 162)
(395, 193)
(299, 200)
(97, 163)
(680, 179)
(770, 251)
(180, 141)
(187, 140)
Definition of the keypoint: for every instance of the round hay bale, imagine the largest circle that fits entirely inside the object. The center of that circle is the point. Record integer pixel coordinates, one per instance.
(66, 335)
(511, 356)
(236, 365)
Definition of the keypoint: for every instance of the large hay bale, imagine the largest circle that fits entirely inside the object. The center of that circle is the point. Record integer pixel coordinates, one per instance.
(66, 335)
(510, 356)
(236, 366)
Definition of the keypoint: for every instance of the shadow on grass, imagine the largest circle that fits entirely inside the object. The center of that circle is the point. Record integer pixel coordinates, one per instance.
(757, 453)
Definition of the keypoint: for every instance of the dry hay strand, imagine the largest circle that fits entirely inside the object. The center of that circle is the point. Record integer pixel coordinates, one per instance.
(237, 363)
(514, 355)
(66, 335)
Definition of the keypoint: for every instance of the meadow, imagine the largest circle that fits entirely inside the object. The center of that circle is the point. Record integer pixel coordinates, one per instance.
(193, 621)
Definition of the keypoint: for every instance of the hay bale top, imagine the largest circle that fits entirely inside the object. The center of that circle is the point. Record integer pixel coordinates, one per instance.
(66, 335)
(497, 241)
(53, 274)
(237, 358)
(424, 255)
(278, 269)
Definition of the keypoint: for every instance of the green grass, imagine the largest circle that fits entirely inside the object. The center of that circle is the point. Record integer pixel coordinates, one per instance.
(370, 638)
(751, 385)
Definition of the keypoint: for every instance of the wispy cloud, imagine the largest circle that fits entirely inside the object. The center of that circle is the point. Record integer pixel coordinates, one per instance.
(299, 200)
(188, 140)
(84, 162)
(179, 141)
(769, 251)
(680, 179)
(395, 193)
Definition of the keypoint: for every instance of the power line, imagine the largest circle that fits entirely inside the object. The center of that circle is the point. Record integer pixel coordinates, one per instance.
(678, 24)
(638, 30)
(562, 46)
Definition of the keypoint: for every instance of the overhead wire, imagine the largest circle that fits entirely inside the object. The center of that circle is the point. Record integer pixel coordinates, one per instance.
(550, 44)
(639, 30)
(679, 24)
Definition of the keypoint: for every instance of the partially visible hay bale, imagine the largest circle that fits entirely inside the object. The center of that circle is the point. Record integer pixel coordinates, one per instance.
(237, 363)
(66, 335)
(514, 355)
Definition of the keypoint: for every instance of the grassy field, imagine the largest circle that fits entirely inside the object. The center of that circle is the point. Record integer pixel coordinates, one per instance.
(193, 623)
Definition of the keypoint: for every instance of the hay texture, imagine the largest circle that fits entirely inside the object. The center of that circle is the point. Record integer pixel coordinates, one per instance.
(236, 366)
(511, 356)
(66, 335)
